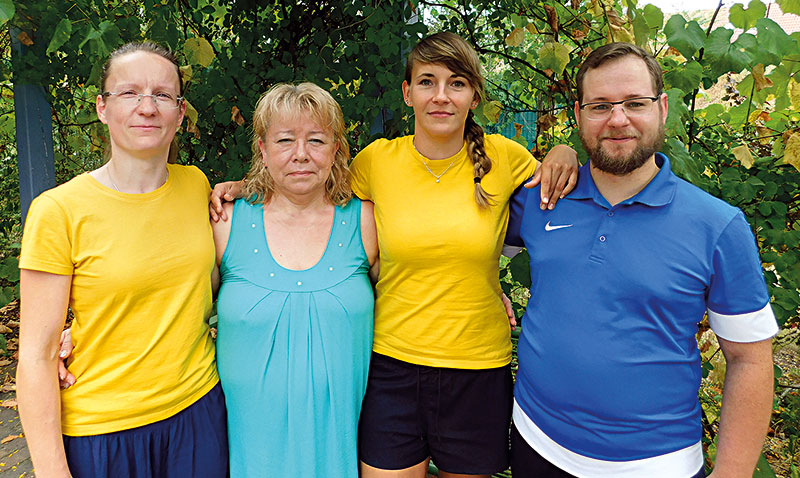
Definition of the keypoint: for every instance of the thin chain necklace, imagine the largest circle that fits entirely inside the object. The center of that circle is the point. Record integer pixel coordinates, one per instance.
(108, 172)
(422, 158)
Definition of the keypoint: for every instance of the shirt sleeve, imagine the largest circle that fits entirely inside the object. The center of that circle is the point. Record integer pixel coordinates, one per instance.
(46, 240)
(360, 169)
(738, 300)
(516, 214)
(522, 162)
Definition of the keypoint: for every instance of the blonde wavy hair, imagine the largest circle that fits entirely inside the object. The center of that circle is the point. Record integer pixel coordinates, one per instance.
(286, 100)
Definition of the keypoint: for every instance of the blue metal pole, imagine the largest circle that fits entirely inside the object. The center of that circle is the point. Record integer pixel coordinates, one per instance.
(34, 136)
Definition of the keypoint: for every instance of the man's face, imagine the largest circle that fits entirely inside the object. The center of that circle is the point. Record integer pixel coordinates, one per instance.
(621, 142)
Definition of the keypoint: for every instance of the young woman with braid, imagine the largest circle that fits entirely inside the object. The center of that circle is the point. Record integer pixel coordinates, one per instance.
(440, 383)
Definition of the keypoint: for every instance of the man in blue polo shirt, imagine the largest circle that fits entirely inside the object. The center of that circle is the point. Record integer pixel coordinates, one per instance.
(622, 271)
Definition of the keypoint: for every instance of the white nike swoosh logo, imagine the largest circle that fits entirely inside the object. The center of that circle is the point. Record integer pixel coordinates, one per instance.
(548, 227)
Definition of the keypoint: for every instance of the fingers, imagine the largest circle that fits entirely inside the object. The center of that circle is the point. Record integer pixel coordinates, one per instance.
(535, 180)
(65, 344)
(546, 191)
(509, 311)
(65, 378)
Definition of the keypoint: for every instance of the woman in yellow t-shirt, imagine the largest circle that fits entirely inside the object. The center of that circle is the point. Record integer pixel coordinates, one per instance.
(146, 401)
(440, 383)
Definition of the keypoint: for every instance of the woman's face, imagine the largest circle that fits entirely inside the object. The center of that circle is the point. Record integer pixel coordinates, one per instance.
(141, 128)
(299, 153)
(441, 100)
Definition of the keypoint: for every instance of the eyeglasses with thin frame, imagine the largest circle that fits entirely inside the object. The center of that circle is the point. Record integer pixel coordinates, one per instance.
(133, 99)
(631, 107)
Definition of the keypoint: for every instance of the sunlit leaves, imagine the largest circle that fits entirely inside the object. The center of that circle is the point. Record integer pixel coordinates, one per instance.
(554, 56)
(791, 152)
(492, 110)
(743, 154)
(7, 10)
(198, 51)
(790, 6)
(685, 37)
(60, 35)
(516, 37)
(745, 18)
(654, 16)
(794, 94)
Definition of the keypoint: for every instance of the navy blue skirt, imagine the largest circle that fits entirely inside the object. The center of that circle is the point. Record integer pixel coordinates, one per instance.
(194, 442)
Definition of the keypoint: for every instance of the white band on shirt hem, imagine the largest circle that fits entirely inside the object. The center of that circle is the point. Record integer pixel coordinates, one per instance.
(749, 327)
(682, 463)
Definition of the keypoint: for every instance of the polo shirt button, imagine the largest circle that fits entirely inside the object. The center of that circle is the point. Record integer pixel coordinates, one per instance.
(299, 283)
(340, 244)
(255, 251)
(272, 274)
(602, 238)
(610, 213)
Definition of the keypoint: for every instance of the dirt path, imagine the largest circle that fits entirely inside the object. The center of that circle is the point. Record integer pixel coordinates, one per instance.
(15, 461)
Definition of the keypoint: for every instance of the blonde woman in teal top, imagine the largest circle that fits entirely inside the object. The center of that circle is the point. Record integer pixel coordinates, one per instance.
(296, 305)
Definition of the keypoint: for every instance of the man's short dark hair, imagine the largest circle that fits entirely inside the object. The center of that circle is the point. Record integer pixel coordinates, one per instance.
(613, 51)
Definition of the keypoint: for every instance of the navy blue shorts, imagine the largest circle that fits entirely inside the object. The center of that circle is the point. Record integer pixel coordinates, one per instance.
(458, 417)
(194, 442)
(527, 463)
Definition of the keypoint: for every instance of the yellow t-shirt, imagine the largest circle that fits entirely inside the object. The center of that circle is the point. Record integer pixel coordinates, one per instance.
(141, 294)
(438, 295)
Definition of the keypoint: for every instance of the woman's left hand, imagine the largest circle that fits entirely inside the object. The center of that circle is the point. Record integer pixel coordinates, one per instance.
(512, 319)
(558, 175)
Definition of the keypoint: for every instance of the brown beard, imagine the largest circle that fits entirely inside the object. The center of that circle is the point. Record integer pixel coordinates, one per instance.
(620, 166)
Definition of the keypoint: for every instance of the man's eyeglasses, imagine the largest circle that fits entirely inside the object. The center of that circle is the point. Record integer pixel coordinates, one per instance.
(132, 99)
(632, 107)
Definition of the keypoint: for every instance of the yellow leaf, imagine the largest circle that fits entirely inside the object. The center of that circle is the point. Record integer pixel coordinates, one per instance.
(198, 51)
(742, 153)
(754, 115)
(186, 74)
(620, 34)
(791, 153)
(191, 113)
(794, 94)
(492, 109)
(236, 116)
(532, 29)
(761, 81)
(516, 37)
(25, 39)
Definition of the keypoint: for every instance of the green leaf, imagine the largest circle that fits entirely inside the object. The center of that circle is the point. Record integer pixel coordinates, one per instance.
(676, 113)
(686, 77)
(790, 6)
(685, 37)
(683, 164)
(746, 18)
(726, 56)
(641, 30)
(763, 470)
(520, 268)
(654, 17)
(7, 11)
(554, 56)
(60, 36)
(773, 42)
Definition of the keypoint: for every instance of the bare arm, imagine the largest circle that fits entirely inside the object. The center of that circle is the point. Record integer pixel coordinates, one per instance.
(746, 407)
(558, 174)
(369, 237)
(44, 300)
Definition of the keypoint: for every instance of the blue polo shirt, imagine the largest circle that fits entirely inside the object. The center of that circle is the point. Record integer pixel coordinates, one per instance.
(608, 361)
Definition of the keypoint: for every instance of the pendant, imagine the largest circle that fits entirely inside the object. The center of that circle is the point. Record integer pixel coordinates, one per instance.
(437, 180)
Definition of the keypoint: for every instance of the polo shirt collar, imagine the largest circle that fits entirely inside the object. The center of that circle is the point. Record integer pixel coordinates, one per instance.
(659, 192)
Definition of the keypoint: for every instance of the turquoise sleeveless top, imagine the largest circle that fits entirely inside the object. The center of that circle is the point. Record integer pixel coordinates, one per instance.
(293, 350)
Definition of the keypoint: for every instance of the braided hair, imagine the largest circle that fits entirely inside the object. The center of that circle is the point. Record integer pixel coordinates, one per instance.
(454, 53)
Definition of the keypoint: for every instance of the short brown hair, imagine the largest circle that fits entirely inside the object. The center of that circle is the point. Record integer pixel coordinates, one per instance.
(287, 99)
(613, 51)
